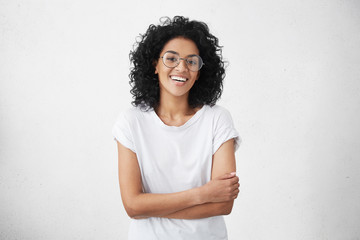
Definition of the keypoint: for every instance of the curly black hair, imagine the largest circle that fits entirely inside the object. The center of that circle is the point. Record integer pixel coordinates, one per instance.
(143, 80)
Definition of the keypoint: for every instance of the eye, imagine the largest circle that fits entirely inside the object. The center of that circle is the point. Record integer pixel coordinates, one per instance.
(171, 59)
(192, 61)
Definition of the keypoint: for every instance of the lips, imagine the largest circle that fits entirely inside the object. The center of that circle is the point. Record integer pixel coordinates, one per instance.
(179, 78)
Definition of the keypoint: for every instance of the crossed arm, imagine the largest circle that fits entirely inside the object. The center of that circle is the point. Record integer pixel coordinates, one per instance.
(212, 199)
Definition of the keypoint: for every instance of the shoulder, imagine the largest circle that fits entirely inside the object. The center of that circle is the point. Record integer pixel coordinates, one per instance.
(131, 114)
(219, 115)
(218, 111)
(128, 120)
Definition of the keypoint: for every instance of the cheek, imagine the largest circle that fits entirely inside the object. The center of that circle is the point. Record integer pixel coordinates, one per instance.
(164, 71)
(162, 74)
(197, 75)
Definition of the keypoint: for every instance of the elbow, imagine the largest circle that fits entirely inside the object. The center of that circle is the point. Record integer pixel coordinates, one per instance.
(227, 211)
(133, 213)
(132, 210)
(227, 207)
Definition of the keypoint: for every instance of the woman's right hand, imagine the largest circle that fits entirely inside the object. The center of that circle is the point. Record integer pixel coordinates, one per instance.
(221, 189)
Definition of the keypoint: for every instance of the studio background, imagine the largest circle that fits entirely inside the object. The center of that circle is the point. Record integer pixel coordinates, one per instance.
(292, 87)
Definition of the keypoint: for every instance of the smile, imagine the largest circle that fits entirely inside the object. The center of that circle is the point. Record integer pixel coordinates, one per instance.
(178, 78)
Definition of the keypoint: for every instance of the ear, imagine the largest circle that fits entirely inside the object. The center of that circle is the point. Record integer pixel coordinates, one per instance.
(155, 66)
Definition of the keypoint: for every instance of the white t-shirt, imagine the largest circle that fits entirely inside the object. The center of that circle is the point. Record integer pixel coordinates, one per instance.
(174, 159)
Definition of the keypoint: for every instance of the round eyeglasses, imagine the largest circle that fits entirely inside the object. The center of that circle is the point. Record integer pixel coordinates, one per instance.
(171, 59)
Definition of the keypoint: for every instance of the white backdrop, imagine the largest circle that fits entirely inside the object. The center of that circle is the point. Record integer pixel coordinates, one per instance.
(292, 87)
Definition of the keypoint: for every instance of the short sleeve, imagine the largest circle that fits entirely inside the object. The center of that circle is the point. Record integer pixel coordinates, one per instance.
(224, 130)
(122, 132)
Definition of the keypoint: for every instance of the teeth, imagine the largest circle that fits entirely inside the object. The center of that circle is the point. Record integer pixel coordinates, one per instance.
(179, 79)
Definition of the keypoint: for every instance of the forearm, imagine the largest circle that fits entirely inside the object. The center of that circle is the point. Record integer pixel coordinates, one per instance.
(137, 204)
(156, 205)
(203, 211)
(190, 204)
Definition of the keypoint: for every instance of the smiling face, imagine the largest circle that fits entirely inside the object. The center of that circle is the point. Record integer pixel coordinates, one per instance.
(177, 81)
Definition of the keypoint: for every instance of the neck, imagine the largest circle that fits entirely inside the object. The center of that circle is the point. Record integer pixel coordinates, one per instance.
(173, 107)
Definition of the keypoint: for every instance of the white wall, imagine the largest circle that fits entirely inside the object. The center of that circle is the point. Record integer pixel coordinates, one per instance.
(292, 87)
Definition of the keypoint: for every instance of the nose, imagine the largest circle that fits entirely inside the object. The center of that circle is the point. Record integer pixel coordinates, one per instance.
(182, 65)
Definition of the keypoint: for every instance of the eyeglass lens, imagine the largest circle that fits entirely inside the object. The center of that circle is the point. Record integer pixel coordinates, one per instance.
(171, 60)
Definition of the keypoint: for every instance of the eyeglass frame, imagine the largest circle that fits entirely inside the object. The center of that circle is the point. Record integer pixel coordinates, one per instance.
(185, 59)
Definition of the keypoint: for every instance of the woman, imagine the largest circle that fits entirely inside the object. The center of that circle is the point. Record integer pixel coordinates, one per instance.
(175, 146)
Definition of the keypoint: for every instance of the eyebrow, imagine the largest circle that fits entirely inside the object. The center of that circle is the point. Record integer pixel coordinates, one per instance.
(173, 52)
(190, 55)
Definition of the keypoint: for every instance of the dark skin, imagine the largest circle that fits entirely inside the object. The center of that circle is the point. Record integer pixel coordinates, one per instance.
(212, 199)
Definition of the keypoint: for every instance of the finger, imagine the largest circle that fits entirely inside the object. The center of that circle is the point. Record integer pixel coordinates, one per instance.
(236, 194)
(236, 186)
(235, 197)
(234, 180)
